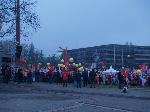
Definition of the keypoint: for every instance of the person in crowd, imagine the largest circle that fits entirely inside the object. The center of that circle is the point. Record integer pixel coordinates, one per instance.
(33, 69)
(61, 75)
(92, 76)
(100, 77)
(45, 75)
(120, 80)
(42, 74)
(104, 79)
(22, 74)
(3, 72)
(113, 79)
(78, 79)
(50, 74)
(97, 79)
(65, 77)
(85, 77)
(109, 78)
(7, 74)
(148, 80)
(58, 76)
(19, 76)
(37, 75)
(25, 76)
(74, 76)
(29, 76)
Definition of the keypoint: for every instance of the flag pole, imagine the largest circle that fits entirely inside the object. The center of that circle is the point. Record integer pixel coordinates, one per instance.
(114, 56)
(122, 57)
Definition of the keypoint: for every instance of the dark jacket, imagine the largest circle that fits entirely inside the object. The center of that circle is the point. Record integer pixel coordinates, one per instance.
(78, 76)
(85, 75)
(92, 75)
(120, 77)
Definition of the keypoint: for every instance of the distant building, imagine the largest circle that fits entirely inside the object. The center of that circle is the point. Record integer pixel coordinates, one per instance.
(142, 55)
(112, 54)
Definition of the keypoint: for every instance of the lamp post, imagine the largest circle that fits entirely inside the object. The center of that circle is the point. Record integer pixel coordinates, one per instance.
(114, 56)
(128, 58)
(122, 57)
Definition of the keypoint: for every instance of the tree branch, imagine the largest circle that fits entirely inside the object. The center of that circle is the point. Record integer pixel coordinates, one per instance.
(7, 21)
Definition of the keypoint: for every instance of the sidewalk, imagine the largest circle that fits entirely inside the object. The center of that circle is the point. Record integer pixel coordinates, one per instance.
(135, 93)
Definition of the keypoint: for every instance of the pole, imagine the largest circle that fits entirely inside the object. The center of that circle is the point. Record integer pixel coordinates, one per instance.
(17, 29)
(0, 21)
(65, 56)
(18, 23)
(114, 56)
(122, 57)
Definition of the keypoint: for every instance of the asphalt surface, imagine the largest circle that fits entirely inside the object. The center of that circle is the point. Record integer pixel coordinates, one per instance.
(42, 97)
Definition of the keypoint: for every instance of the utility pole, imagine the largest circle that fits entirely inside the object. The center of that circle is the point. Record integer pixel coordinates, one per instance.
(0, 21)
(114, 56)
(122, 57)
(18, 22)
(18, 47)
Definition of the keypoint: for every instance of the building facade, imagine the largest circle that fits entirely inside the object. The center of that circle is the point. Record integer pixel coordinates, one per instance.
(112, 54)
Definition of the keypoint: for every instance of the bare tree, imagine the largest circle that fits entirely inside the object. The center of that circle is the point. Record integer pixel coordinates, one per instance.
(28, 18)
(32, 55)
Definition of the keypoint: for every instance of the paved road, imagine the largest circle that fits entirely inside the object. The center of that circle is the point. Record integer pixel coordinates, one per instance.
(25, 98)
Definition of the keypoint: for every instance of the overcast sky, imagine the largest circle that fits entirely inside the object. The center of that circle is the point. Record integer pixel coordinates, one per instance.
(84, 23)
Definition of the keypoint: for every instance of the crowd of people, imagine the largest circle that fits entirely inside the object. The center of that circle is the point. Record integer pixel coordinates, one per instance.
(6, 73)
(78, 77)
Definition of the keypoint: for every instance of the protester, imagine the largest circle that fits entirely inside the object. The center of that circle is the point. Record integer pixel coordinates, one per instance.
(74, 75)
(19, 76)
(58, 76)
(120, 80)
(65, 77)
(85, 77)
(92, 76)
(25, 76)
(7, 75)
(29, 74)
(78, 79)
(50, 74)
(78, 76)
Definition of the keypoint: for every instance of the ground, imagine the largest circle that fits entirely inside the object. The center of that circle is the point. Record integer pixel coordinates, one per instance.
(43, 97)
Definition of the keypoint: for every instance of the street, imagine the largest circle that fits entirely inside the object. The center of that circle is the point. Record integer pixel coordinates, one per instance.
(27, 98)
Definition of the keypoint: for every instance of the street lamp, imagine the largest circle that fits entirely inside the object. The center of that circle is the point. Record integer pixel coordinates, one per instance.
(128, 57)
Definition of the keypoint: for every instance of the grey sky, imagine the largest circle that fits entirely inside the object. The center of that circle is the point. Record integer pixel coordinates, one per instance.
(84, 23)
